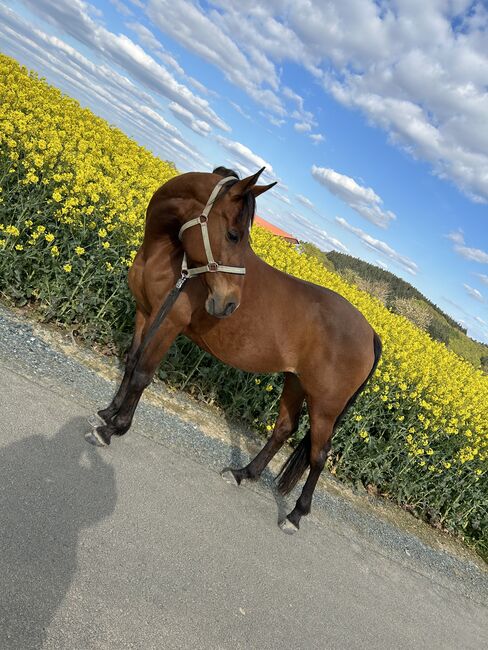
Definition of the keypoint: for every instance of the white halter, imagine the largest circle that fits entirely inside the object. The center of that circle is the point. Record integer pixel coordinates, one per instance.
(212, 266)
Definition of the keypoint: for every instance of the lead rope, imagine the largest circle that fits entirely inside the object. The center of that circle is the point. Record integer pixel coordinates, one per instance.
(161, 315)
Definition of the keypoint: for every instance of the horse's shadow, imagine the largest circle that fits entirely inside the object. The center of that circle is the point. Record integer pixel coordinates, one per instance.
(50, 489)
(244, 446)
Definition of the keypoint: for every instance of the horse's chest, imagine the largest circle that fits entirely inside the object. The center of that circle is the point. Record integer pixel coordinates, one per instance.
(229, 343)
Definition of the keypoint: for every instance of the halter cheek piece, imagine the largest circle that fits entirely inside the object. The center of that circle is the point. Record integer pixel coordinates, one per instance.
(212, 266)
(186, 273)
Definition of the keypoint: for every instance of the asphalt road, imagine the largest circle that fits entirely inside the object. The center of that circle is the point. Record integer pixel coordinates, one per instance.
(144, 546)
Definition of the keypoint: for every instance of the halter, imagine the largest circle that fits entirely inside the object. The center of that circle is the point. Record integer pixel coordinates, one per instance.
(212, 266)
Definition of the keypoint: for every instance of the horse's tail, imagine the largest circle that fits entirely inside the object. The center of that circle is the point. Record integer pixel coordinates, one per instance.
(377, 347)
(299, 460)
(294, 467)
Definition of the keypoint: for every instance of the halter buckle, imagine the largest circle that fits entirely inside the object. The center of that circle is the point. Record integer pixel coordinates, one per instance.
(203, 218)
(213, 267)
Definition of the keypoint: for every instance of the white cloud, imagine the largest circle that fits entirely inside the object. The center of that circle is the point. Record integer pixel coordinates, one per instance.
(308, 231)
(121, 8)
(363, 200)
(135, 112)
(482, 277)
(147, 38)
(472, 254)
(480, 320)
(380, 246)
(316, 137)
(245, 156)
(416, 70)
(280, 196)
(205, 35)
(302, 127)
(239, 109)
(199, 126)
(72, 16)
(474, 293)
(305, 201)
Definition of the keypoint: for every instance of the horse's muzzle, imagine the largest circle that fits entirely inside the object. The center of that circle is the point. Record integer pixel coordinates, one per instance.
(215, 308)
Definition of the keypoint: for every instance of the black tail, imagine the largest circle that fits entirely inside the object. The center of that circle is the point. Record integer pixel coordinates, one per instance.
(294, 467)
(299, 460)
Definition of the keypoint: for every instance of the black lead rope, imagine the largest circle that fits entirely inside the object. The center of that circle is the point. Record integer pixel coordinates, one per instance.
(161, 315)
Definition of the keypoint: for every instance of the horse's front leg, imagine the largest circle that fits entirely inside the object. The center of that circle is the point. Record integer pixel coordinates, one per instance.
(140, 377)
(104, 416)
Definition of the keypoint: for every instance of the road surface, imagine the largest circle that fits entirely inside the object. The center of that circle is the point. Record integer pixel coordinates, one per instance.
(144, 546)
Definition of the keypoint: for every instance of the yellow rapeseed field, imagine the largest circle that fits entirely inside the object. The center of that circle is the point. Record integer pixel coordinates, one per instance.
(73, 193)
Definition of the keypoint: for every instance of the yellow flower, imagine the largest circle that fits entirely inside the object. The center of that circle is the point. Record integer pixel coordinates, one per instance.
(49, 237)
(102, 232)
(79, 250)
(54, 251)
(269, 388)
(108, 266)
(67, 268)
(19, 247)
(105, 244)
(257, 381)
(12, 230)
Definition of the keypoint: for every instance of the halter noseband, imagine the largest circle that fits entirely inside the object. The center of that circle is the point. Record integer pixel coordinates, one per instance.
(212, 266)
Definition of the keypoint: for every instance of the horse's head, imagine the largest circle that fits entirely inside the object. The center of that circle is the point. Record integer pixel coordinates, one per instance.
(216, 239)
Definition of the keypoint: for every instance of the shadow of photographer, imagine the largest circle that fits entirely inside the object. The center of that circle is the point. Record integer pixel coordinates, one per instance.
(50, 489)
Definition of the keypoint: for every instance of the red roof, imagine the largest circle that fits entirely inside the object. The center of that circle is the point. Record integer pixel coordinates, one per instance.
(274, 229)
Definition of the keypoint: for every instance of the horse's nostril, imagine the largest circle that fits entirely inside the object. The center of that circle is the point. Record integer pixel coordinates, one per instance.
(231, 306)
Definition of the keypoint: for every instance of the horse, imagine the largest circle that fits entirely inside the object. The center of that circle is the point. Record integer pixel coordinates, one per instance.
(245, 313)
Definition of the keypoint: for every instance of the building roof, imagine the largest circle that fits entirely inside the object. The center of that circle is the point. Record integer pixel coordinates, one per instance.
(274, 229)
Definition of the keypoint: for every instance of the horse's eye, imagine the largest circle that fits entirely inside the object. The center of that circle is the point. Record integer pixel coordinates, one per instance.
(233, 236)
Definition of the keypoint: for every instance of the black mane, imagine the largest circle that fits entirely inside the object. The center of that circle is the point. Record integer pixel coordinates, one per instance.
(246, 215)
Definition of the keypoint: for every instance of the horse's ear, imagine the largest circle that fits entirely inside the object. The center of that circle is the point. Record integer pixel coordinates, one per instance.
(259, 189)
(245, 184)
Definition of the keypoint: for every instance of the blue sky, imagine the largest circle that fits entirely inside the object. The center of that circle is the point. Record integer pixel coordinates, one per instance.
(372, 116)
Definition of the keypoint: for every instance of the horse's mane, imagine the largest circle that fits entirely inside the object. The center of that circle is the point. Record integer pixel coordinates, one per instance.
(246, 215)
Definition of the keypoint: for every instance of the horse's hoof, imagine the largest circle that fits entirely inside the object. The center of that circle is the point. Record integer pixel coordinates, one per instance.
(287, 527)
(94, 438)
(96, 420)
(228, 475)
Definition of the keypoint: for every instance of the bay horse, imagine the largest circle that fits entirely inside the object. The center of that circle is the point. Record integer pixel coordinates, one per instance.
(247, 314)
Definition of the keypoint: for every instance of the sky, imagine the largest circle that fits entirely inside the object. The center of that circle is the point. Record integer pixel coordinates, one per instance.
(371, 115)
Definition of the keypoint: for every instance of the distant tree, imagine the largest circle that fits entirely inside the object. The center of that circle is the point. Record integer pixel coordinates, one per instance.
(415, 310)
(378, 288)
(398, 288)
(440, 330)
(314, 251)
(484, 363)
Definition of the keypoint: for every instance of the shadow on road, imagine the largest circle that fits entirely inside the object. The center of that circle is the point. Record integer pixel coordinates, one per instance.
(50, 489)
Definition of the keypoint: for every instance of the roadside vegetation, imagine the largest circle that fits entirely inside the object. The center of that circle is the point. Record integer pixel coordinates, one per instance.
(73, 193)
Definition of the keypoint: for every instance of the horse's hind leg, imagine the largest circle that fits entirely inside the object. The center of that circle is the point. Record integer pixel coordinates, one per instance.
(289, 414)
(105, 415)
(322, 428)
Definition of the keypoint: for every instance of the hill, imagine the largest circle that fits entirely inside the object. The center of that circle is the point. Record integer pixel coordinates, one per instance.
(404, 299)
